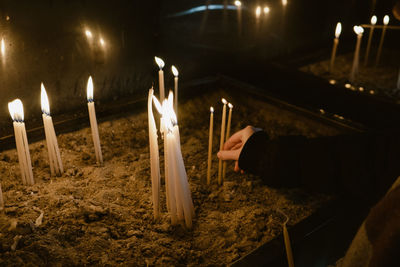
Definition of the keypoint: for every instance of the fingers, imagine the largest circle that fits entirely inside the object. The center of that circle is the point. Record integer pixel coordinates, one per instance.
(233, 140)
(236, 168)
(229, 154)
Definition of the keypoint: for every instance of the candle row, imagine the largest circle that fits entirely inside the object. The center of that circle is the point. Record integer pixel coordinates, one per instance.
(359, 32)
(225, 134)
(16, 110)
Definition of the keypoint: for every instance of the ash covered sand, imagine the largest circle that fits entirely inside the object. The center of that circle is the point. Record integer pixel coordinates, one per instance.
(103, 215)
(380, 80)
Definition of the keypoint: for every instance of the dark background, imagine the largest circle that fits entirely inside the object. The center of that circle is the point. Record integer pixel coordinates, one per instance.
(45, 42)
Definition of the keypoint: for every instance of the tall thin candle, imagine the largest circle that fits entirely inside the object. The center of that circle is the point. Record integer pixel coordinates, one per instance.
(354, 70)
(338, 30)
(56, 166)
(228, 133)
(378, 54)
(371, 32)
(210, 141)
(93, 122)
(154, 157)
(17, 114)
(161, 65)
(176, 74)
(221, 143)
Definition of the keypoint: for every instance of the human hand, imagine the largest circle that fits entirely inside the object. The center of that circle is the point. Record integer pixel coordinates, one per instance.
(234, 145)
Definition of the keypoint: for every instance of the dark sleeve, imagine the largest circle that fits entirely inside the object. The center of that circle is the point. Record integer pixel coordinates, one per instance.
(357, 165)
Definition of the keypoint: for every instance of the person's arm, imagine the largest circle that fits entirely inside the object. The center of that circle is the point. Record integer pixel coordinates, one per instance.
(355, 164)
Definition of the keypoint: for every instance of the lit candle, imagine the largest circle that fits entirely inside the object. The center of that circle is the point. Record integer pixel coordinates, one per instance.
(17, 114)
(176, 74)
(228, 133)
(371, 32)
(354, 70)
(210, 139)
(93, 122)
(161, 65)
(154, 157)
(385, 23)
(238, 5)
(338, 30)
(56, 166)
(221, 143)
(3, 48)
(266, 10)
(258, 14)
(177, 187)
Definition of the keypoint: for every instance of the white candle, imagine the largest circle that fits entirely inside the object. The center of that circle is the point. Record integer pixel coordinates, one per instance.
(161, 64)
(176, 74)
(93, 122)
(378, 54)
(210, 139)
(221, 143)
(56, 166)
(17, 114)
(177, 186)
(354, 70)
(338, 30)
(371, 32)
(154, 157)
(228, 132)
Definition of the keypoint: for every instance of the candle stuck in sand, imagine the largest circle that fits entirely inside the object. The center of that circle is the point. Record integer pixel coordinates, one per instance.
(56, 166)
(93, 122)
(17, 114)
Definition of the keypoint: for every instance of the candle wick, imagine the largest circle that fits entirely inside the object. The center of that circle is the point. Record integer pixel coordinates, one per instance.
(90, 100)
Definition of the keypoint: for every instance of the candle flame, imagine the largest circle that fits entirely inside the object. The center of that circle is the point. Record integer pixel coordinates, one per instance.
(224, 101)
(211, 109)
(266, 10)
(3, 47)
(16, 110)
(159, 62)
(88, 34)
(166, 110)
(101, 41)
(284, 2)
(386, 20)
(230, 105)
(373, 20)
(44, 100)
(358, 29)
(89, 89)
(338, 29)
(258, 11)
(175, 71)
(238, 3)
(157, 104)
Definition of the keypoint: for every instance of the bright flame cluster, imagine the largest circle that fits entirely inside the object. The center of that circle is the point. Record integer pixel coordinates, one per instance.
(89, 35)
(168, 116)
(358, 29)
(16, 110)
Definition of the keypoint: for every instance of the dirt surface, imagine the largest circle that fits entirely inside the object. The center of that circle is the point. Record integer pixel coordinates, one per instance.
(378, 80)
(102, 215)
